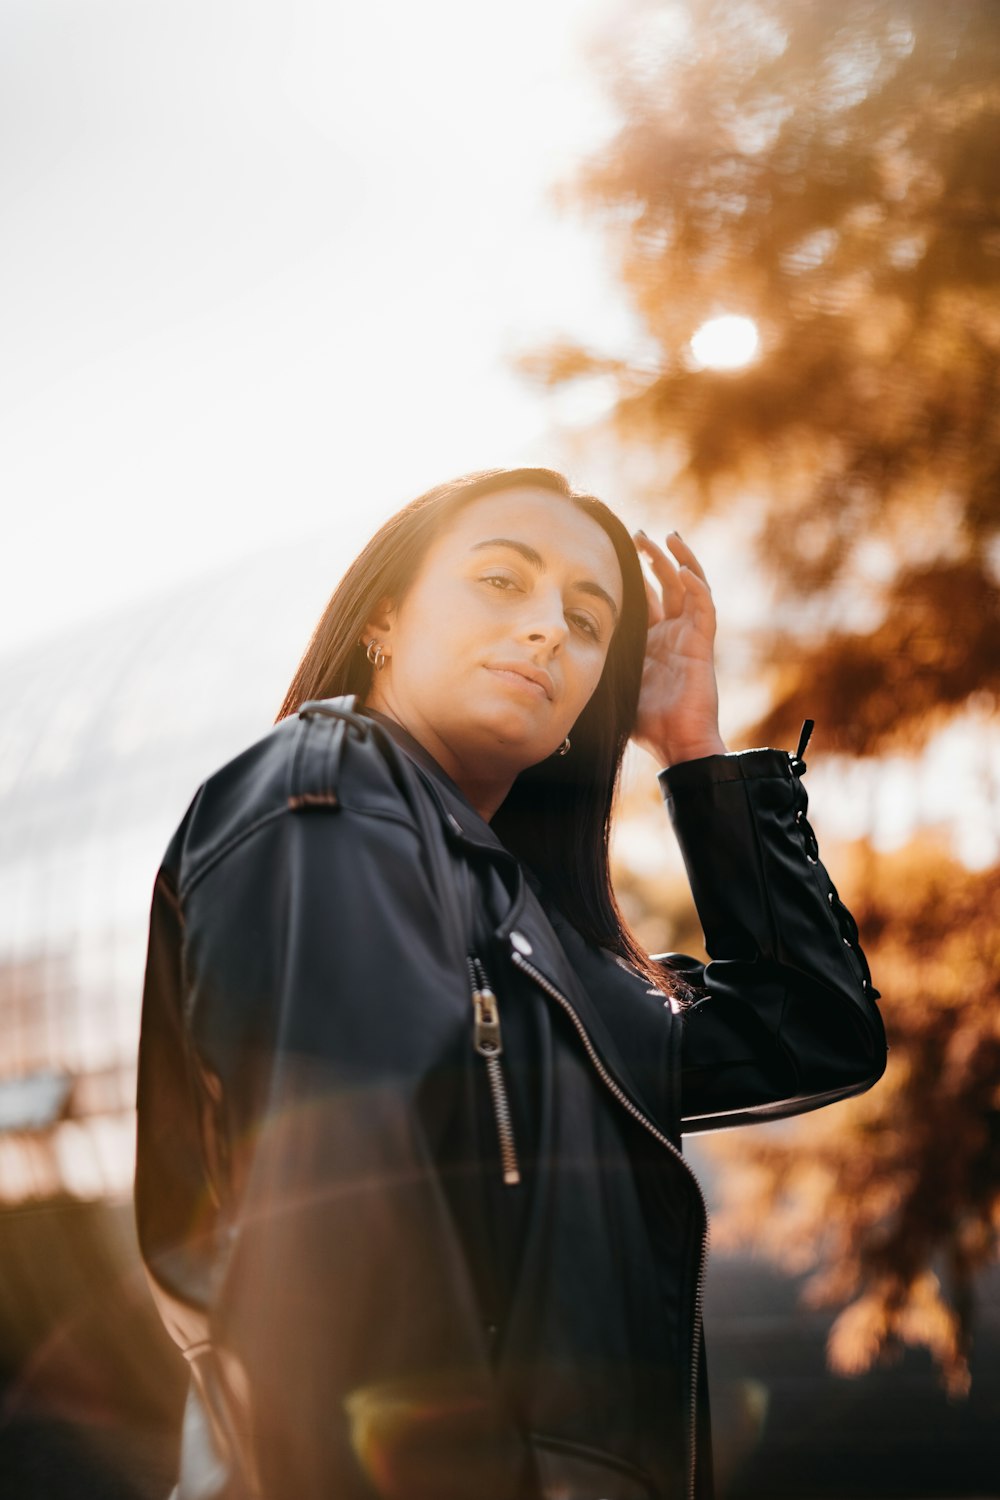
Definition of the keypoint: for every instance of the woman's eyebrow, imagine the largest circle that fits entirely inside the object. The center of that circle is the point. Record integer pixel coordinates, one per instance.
(585, 585)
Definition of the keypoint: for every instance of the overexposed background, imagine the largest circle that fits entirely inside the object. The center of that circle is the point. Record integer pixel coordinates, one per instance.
(264, 270)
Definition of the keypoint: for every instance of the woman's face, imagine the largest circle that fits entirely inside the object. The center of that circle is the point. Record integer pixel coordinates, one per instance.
(501, 639)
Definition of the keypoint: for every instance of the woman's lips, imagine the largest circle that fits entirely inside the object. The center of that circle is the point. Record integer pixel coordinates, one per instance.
(531, 680)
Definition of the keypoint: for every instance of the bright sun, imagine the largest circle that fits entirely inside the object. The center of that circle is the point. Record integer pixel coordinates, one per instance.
(725, 343)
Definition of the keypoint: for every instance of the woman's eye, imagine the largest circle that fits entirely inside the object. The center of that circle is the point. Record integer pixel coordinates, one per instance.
(587, 625)
(501, 581)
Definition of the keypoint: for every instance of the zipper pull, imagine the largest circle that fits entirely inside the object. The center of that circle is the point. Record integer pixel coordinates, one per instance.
(486, 1040)
(486, 1032)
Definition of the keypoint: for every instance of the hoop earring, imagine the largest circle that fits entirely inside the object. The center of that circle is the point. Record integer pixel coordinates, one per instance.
(375, 654)
(564, 747)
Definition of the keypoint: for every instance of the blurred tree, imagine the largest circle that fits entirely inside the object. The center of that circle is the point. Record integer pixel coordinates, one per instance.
(833, 173)
(892, 1200)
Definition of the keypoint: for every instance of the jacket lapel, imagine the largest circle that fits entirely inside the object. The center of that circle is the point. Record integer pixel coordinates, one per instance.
(630, 1027)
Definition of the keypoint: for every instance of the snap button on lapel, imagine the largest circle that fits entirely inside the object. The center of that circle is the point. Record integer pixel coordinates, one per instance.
(520, 942)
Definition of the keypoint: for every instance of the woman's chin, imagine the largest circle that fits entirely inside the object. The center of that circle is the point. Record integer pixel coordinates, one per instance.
(521, 750)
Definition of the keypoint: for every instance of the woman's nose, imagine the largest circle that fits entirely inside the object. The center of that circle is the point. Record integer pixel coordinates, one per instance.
(545, 623)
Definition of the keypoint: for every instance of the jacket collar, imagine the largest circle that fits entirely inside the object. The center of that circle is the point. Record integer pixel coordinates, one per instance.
(558, 952)
(459, 815)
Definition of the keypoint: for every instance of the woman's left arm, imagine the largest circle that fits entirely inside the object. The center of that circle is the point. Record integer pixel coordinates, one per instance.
(787, 1020)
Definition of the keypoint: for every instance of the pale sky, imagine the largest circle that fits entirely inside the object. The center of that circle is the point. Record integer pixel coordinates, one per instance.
(264, 268)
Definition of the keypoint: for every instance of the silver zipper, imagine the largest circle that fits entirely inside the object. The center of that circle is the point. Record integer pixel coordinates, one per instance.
(489, 1044)
(668, 1144)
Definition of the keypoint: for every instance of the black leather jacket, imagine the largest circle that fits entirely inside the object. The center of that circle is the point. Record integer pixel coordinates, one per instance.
(409, 1185)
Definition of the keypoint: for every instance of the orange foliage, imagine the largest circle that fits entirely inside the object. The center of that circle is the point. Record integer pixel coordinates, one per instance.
(830, 172)
(892, 1200)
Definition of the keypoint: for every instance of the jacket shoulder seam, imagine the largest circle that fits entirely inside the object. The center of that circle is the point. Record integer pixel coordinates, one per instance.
(219, 851)
(247, 830)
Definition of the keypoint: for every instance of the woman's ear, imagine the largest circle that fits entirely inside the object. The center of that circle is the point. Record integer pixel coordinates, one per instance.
(379, 624)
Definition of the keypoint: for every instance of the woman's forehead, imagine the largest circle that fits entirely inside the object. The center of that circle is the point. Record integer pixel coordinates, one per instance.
(561, 533)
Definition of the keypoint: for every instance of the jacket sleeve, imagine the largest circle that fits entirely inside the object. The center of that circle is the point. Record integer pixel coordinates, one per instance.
(784, 1016)
(302, 1003)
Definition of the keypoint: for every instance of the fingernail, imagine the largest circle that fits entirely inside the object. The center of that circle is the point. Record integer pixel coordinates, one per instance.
(677, 534)
(641, 535)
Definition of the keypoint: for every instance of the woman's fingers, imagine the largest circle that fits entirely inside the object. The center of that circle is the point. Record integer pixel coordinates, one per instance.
(700, 595)
(654, 602)
(665, 570)
(683, 553)
(670, 570)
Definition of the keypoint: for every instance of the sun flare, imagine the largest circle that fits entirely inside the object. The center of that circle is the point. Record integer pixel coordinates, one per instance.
(726, 343)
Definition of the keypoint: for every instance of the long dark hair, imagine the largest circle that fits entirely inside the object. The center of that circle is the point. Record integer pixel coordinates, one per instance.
(557, 815)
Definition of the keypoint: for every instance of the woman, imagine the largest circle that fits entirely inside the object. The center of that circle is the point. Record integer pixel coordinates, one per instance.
(409, 1184)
